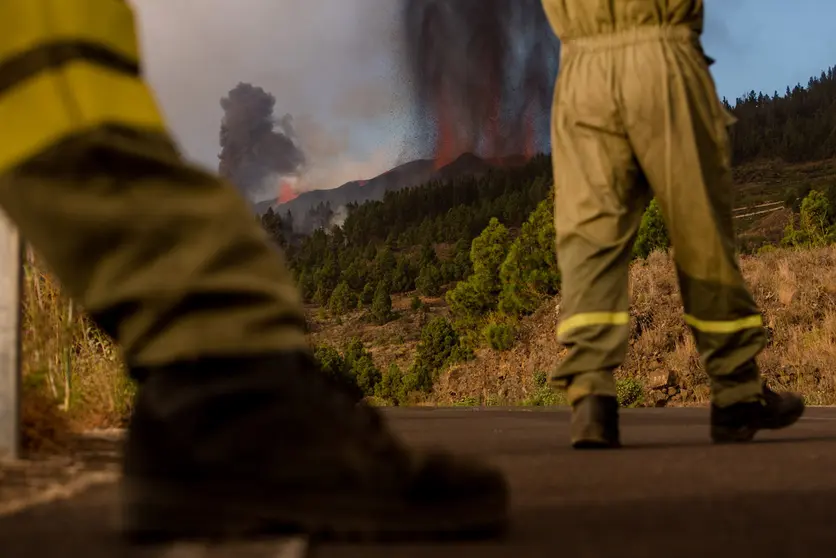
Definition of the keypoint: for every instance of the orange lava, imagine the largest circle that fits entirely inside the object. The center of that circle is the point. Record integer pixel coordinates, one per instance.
(286, 192)
(446, 147)
(452, 141)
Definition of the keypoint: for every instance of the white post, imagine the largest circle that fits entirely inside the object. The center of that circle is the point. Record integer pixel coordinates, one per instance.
(11, 282)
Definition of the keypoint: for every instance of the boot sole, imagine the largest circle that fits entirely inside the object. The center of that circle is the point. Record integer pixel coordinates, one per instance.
(155, 513)
(725, 435)
(595, 445)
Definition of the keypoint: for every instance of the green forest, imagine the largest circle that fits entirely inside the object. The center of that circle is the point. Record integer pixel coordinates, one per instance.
(798, 126)
(487, 243)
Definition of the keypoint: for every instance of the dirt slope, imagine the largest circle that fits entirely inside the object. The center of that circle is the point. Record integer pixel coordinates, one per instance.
(795, 289)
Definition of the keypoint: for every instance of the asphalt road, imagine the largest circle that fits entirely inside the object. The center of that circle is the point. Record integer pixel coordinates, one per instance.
(667, 493)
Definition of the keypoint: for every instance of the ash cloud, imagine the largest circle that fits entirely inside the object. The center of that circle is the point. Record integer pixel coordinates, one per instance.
(332, 64)
(256, 147)
(482, 74)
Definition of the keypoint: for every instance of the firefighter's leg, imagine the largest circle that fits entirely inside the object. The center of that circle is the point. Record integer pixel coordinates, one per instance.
(678, 128)
(679, 131)
(599, 198)
(233, 427)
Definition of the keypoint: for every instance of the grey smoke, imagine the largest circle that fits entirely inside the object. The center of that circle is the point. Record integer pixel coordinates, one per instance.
(339, 216)
(256, 146)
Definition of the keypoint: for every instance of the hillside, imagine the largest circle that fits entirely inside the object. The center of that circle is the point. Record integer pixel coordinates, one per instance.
(795, 287)
(403, 176)
(480, 249)
(796, 290)
(494, 327)
(766, 192)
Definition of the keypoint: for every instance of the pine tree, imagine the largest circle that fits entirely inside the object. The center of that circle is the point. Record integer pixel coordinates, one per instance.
(653, 234)
(382, 304)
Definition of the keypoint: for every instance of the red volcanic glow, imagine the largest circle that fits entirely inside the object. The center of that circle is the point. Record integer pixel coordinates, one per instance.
(447, 148)
(452, 141)
(286, 192)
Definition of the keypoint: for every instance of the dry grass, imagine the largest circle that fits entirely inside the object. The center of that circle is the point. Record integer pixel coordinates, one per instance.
(768, 230)
(795, 289)
(72, 373)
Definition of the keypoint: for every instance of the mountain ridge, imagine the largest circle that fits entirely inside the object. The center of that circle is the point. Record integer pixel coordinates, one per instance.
(406, 175)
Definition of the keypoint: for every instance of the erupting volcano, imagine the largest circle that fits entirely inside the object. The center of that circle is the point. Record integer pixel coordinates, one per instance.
(483, 72)
(286, 192)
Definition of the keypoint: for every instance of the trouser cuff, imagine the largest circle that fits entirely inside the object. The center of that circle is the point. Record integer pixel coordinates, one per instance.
(741, 393)
(589, 383)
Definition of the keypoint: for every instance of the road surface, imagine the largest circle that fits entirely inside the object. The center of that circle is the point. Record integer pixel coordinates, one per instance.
(667, 493)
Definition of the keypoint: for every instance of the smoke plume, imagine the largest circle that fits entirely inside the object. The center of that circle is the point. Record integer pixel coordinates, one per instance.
(483, 72)
(258, 150)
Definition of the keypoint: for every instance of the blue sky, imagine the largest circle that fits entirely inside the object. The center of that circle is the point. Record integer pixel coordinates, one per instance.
(765, 45)
(332, 64)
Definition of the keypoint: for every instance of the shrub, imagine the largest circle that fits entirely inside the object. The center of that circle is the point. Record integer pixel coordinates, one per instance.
(814, 228)
(630, 392)
(342, 300)
(530, 269)
(544, 395)
(403, 278)
(322, 296)
(469, 300)
(361, 367)
(367, 296)
(384, 264)
(438, 344)
(307, 286)
(652, 235)
(429, 281)
(428, 256)
(489, 249)
(334, 366)
(478, 294)
(391, 386)
(498, 336)
(382, 304)
(467, 401)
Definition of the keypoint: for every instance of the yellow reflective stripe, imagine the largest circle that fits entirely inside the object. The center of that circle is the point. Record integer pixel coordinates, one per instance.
(593, 319)
(55, 104)
(33, 23)
(724, 326)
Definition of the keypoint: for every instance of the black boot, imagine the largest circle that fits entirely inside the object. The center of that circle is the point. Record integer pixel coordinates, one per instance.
(595, 423)
(741, 421)
(242, 447)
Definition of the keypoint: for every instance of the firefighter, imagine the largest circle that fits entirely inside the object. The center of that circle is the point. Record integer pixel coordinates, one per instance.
(635, 115)
(233, 425)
